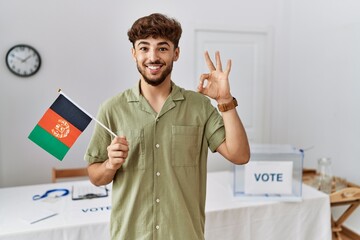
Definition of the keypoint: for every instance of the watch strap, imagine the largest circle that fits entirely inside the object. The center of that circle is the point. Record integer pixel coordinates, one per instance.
(228, 106)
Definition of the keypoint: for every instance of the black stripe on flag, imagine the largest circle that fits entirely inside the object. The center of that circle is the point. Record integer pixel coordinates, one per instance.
(65, 108)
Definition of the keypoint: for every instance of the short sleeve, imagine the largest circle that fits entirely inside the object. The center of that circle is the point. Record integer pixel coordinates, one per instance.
(100, 140)
(215, 130)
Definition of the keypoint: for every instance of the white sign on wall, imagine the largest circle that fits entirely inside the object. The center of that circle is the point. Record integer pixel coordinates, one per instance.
(268, 177)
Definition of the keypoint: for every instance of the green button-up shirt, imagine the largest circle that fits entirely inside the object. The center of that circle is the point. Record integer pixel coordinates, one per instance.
(159, 192)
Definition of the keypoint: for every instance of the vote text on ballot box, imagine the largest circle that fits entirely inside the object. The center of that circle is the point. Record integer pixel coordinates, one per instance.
(273, 172)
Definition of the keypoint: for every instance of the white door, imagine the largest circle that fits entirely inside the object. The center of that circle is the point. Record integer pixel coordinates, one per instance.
(250, 77)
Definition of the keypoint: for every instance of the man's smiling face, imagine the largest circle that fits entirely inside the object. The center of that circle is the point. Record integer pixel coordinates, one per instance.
(154, 58)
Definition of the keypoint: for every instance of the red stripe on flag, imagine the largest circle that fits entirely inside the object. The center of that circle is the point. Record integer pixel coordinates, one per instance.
(59, 127)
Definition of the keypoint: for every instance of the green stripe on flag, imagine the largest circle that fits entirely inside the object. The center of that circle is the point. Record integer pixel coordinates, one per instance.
(48, 142)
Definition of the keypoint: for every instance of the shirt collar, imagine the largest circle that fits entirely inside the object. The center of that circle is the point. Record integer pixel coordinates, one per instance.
(176, 93)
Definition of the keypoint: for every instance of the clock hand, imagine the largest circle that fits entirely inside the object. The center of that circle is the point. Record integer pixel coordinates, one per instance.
(24, 60)
(19, 58)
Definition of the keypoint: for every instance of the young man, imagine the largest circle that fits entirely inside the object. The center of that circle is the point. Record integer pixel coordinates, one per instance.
(158, 163)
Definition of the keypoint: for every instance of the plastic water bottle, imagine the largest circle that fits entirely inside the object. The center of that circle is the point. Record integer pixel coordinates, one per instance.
(325, 175)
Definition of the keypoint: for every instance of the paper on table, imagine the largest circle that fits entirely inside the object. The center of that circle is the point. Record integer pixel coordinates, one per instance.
(87, 191)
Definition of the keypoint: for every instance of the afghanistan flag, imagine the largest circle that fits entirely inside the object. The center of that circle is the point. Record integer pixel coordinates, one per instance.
(60, 126)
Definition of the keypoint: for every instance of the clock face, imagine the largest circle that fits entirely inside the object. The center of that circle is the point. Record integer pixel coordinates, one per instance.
(23, 60)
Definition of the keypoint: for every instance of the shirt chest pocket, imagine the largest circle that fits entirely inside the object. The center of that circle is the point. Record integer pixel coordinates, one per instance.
(185, 146)
(136, 155)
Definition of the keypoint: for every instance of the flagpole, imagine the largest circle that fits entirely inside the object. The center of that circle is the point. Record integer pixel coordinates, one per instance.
(97, 121)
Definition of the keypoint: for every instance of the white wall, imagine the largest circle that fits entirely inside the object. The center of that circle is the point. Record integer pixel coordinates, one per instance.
(317, 65)
(85, 51)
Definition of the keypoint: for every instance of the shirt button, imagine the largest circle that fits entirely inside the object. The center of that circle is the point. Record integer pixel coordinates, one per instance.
(158, 174)
(157, 227)
(157, 145)
(157, 200)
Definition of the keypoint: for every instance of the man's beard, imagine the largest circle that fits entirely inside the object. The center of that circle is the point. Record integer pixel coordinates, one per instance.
(158, 81)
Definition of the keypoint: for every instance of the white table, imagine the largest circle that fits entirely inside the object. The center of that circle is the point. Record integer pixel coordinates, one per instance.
(227, 217)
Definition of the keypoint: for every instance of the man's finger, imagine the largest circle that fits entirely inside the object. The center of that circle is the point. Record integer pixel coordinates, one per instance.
(121, 139)
(209, 63)
(228, 67)
(218, 61)
(203, 82)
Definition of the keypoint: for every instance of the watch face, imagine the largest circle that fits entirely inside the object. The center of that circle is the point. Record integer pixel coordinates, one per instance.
(23, 60)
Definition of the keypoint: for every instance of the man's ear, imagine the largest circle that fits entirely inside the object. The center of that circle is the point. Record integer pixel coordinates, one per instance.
(177, 54)
(133, 53)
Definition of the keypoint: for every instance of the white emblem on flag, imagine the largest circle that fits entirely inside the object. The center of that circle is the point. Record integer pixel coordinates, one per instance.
(62, 129)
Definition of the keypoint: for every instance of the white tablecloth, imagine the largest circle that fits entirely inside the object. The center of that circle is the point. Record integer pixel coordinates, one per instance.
(230, 218)
(227, 217)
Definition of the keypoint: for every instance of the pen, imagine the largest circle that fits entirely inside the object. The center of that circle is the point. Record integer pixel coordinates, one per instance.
(52, 215)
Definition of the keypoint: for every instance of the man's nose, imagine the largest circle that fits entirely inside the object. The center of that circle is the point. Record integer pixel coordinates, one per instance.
(153, 55)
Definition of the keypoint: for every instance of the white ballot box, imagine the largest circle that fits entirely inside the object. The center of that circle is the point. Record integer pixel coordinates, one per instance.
(274, 172)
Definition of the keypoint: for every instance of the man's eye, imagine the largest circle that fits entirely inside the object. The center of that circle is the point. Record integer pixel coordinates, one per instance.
(143, 49)
(163, 49)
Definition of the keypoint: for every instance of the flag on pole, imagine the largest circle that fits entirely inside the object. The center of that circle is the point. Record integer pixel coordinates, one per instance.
(60, 126)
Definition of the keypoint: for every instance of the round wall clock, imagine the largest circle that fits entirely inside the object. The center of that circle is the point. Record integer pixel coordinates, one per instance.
(23, 60)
